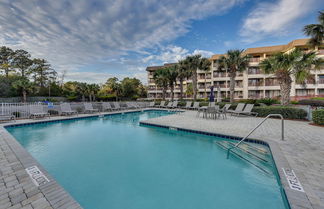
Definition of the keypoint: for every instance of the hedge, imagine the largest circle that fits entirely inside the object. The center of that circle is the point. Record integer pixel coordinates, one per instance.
(286, 111)
(318, 117)
(312, 102)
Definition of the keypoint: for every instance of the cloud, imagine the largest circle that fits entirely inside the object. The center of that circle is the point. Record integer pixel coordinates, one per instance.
(73, 34)
(268, 19)
(171, 54)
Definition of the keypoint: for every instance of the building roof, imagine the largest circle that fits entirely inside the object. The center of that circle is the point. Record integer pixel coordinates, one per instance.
(277, 48)
(216, 56)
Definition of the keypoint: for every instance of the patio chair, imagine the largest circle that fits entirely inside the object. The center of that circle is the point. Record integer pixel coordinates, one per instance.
(5, 117)
(162, 104)
(210, 112)
(247, 111)
(37, 111)
(67, 110)
(188, 105)
(169, 105)
(195, 106)
(107, 107)
(239, 108)
(89, 108)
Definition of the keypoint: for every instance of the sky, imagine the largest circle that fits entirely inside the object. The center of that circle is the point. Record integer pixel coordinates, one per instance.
(92, 40)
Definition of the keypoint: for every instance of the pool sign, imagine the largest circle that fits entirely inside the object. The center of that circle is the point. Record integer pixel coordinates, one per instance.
(293, 180)
(36, 175)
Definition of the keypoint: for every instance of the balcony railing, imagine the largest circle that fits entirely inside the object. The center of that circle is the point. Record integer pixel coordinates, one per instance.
(254, 71)
(255, 84)
(255, 59)
(220, 75)
(320, 81)
(271, 83)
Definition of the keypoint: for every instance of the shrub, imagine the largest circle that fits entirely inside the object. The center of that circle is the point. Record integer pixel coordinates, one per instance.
(317, 98)
(268, 101)
(312, 102)
(72, 98)
(203, 104)
(294, 102)
(286, 111)
(318, 116)
(16, 114)
(108, 97)
(247, 101)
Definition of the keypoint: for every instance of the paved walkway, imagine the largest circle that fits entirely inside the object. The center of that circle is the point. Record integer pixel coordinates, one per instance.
(303, 146)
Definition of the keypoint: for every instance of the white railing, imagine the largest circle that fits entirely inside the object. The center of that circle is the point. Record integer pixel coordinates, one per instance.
(22, 110)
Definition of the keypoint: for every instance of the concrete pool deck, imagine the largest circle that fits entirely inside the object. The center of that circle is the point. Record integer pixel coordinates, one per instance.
(302, 151)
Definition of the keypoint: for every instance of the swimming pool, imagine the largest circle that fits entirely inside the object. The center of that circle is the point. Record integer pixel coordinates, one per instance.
(112, 162)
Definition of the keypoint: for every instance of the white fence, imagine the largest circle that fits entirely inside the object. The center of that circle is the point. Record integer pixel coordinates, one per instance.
(22, 110)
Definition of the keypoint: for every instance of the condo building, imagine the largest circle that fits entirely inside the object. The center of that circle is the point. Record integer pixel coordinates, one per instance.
(251, 83)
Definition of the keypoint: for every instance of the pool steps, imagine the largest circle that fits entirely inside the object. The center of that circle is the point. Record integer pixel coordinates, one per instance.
(257, 157)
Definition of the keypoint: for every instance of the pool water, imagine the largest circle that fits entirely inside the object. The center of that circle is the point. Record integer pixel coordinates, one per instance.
(113, 162)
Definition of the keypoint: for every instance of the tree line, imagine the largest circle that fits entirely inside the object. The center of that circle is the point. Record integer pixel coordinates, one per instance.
(283, 65)
(22, 75)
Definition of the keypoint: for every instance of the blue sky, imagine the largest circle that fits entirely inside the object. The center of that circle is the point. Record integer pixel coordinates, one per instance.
(93, 40)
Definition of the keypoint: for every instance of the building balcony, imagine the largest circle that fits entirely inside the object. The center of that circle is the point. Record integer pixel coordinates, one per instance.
(220, 75)
(255, 84)
(255, 59)
(320, 81)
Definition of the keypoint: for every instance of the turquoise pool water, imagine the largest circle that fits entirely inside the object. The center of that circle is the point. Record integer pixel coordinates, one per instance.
(114, 163)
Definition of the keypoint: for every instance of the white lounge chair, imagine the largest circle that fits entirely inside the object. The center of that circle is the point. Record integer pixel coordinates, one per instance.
(107, 107)
(5, 117)
(169, 105)
(162, 104)
(188, 105)
(175, 104)
(239, 108)
(67, 110)
(247, 111)
(152, 104)
(118, 107)
(88, 108)
(195, 106)
(37, 111)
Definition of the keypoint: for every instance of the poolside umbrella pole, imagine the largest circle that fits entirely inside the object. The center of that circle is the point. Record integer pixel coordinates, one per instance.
(211, 96)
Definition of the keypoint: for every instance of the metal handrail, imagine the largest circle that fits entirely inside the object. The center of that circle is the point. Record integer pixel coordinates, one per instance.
(268, 116)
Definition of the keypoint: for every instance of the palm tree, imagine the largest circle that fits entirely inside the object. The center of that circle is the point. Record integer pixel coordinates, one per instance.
(204, 65)
(92, 91)
(234, 61)
(193, 63)
(172, 74)
(82, 88)
(6, 55)
(160, 77)
(316, 31)
(286, 65)
(183, 73)
(23, 85)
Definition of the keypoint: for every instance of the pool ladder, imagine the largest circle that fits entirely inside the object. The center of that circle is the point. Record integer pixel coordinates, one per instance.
(268, 116)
